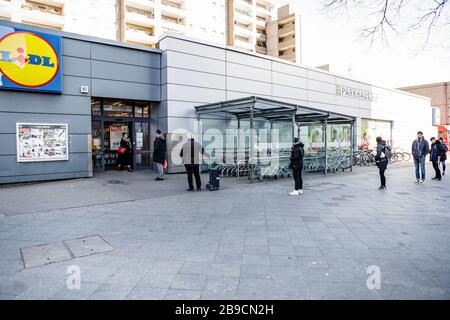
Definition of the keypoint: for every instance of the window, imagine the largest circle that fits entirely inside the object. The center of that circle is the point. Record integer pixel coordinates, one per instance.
(117, 108)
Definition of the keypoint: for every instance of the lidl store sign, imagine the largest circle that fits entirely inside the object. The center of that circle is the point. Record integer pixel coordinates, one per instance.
(29, 60)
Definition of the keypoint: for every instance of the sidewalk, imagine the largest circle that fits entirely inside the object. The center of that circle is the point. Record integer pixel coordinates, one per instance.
(248, 241)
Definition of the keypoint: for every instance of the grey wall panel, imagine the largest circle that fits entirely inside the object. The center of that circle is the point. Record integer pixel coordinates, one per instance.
(248, 59)
(76, 67)
(249, 86)
(190, 62)
(122, 55)
(125, 90)
(194, 48)
(77, 143)
(194, 94)
(247, 72)
(45, 103)
(10, 167)
(194, 78)
(123, 72)
(289, 92)
(321, 76)
(289, 80)
(77, 124)
(42, 177)
(289, 68)
(76, 48)
(72, 85)
(321, 86)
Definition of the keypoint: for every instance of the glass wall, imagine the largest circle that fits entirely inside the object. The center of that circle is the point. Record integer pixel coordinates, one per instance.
(371, 129)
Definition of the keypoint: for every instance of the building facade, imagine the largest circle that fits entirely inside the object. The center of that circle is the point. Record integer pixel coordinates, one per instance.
(239, 23)
(439, 93)
(109, 87)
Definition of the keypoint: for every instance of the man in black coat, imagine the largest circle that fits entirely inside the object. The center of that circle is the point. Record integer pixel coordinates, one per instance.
(296, 165)
(190, 153)
(159, 154)
(382, 161)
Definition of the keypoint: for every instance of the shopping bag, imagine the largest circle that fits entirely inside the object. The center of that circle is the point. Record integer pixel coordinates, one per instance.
(121, 150)
(165, 164)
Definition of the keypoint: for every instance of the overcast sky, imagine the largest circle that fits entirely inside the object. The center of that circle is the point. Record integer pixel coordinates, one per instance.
(336, 40)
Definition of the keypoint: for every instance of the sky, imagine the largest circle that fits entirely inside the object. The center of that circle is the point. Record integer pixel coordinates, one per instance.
(335, 40)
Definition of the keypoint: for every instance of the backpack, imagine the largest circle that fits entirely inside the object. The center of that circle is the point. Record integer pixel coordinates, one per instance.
(388, 152)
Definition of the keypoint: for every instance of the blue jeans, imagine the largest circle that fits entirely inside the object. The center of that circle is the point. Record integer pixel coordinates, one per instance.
(419, 163)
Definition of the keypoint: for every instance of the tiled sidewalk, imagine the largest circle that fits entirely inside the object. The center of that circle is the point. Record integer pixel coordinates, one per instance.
(246, 242)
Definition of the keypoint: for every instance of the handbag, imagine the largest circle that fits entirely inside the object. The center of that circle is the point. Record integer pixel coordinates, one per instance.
(121, 150)
(165, 164)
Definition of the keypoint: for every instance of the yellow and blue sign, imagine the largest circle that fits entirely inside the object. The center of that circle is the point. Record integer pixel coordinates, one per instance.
(29, 60)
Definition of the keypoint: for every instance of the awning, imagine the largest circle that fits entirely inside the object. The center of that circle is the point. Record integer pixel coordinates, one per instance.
(272, 110)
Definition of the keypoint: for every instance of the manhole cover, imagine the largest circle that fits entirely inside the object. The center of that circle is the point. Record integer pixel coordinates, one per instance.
(116, 182)
(44, 254)
(88, 246)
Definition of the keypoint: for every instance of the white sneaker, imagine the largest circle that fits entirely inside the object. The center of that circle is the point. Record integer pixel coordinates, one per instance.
(421, 181)
(294, 193)
(416, 181)
(300, 191)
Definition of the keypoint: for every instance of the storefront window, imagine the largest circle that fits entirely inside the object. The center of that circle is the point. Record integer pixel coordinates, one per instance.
(96, 107)
(117, 108)
(371, 129)
(142, 110)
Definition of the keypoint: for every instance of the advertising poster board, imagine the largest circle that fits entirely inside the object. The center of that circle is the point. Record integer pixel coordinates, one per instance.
(116, 135)
(42, 142)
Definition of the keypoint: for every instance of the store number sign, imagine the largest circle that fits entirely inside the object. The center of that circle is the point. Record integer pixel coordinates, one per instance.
(42, 142)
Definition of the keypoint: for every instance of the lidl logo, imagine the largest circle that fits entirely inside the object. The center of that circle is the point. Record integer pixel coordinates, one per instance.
(29, 60)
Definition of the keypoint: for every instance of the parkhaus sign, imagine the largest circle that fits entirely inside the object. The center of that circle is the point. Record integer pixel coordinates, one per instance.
(29, 60)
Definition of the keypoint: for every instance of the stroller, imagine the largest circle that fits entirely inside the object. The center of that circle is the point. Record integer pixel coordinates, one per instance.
(214, 179)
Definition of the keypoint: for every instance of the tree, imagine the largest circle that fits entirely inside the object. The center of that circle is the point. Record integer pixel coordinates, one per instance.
(382, 17)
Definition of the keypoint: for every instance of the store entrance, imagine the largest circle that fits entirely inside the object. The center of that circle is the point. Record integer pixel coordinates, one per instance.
(110, 118)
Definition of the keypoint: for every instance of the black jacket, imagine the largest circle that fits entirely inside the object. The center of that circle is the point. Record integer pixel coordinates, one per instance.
(125, 144)
(159, 150)
(439, 153)
(297, 155)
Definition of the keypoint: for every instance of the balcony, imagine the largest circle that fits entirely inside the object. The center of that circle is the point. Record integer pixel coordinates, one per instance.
(56, 3)
(5, 9)
(242, 16)
(145, 20)
(172, 25)
(263, 12)
(42, 18)
(244, 32)
(261, 37)
(261, 49)
(140, 36)
(247, 4)
(261, 23)
(243, 45)
(286, 44)
(288, 56)
(141, 4)
(172, 11)
(287, 30)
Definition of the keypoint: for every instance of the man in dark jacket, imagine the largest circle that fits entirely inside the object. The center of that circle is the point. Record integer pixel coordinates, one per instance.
(437, 151)
(159, 154)
(419, 150)
(444, 155)
(297, 155)
(190, 153)
(381, 161)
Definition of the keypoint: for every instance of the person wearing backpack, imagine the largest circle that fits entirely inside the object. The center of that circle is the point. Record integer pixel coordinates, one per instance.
(444, 155)
(382, 159)
(437, 150)
(296, 164)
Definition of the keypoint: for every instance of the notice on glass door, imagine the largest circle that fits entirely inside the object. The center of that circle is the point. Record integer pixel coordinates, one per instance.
(42, 142)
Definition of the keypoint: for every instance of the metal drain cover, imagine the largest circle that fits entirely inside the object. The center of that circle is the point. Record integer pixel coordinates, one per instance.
(88, 246)
(44, 254)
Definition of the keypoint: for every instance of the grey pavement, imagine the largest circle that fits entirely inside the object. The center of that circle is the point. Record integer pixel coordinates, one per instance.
(247, 241)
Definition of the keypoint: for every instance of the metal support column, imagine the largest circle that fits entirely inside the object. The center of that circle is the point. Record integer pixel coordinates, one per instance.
(251, 143)
(325, 128)
(238, 145)
(352, 149)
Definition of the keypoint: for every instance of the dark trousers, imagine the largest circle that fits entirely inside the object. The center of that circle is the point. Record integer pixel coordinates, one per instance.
(297, 172)
(436, 169)
(443, 165)
(193, 169)
(383, 177)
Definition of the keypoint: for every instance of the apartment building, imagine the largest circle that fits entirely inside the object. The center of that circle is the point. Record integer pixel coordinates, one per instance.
(238, 23)
(284, 35)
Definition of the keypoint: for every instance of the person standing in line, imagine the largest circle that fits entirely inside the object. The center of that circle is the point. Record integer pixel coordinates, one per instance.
(444, 155)
(159, 154)
(436, 152)
(420, 148)
(382, 160)
(296, 164)
(125, 158)
(190, 153)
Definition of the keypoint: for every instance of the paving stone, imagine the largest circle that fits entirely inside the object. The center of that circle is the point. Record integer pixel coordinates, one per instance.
(88, 246)
(44, 254)
(189, 282)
